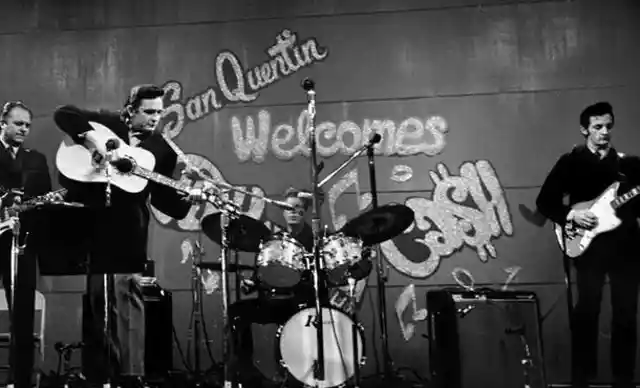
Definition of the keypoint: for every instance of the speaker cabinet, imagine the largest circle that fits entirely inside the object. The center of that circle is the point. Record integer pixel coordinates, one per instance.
(158, 357)
(484, 338)
(158, 337)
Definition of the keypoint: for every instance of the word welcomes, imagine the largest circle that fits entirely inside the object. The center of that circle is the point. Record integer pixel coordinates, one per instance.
(286, 57)
(410, 137)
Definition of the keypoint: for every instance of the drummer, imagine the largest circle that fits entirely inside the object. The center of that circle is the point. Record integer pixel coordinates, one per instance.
(273, 305)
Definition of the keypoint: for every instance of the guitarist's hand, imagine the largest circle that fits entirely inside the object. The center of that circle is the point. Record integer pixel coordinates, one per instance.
(200, 194)
(584, 219)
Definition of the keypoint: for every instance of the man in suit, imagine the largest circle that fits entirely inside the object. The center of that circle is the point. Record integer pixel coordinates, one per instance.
(119, 235)
(26, 172)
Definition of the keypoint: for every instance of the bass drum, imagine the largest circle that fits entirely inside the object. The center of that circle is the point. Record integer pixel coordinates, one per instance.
(297, 340)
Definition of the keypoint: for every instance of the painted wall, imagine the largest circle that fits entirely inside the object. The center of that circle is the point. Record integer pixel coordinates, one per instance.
(475, 101)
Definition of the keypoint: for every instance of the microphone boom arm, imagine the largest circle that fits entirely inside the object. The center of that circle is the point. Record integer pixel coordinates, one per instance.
(341, 167)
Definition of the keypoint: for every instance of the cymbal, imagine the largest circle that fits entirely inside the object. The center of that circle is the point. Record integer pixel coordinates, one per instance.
(231, 267)
(380, 224)
(244, 233)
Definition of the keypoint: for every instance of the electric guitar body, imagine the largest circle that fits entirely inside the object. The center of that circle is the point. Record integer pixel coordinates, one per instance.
(575, 240)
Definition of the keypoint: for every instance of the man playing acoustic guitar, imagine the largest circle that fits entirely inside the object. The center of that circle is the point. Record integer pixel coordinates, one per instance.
(120, 237)
(583, 174)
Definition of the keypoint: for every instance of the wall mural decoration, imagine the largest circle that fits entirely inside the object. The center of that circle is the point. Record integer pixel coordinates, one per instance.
(237, 85)
(467, 209)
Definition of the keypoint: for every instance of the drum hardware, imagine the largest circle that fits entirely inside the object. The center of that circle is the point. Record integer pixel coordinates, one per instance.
(354, 331)
(375, 226)
(229, 213)
(231, 267)
(319, 364)
(197, 323)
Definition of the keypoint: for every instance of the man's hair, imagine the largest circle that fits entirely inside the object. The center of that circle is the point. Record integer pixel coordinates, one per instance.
(292, 192)
(598, 109)
(142, 92)
(9, 106)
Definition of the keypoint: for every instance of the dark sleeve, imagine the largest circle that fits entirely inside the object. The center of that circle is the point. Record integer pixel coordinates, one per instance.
(38, 179)
(631, 168)
(164, 198)
(550, 201)
(75, 121)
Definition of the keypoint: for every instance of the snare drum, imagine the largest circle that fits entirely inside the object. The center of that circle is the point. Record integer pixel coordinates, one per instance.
(340, 253)
(297, 344)
(281, 261)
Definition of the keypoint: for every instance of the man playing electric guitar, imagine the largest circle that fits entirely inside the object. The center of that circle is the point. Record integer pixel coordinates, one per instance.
(24, 172)
(583, 175)
(122, 228)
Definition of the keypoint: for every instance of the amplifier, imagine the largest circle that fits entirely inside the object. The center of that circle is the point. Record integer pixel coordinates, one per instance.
(484, 338)
(158, 326)
(158, 359)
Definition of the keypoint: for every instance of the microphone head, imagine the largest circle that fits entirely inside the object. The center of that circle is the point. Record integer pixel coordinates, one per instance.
(375, 139)
(308, 84)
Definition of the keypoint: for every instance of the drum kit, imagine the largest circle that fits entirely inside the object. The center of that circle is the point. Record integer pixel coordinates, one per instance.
(281, 262)
(341, 258)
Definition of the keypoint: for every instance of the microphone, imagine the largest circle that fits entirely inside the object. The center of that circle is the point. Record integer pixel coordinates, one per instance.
(284, 205)
(112, 144)
(375, 139)
(308, 84)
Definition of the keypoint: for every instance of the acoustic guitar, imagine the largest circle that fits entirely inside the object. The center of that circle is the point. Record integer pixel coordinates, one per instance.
(82, 164)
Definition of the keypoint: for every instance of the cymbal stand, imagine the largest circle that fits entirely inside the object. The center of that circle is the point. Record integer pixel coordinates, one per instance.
(196, 289)
(382, 278)
(318, 369)
(107, 279)
(354, 332)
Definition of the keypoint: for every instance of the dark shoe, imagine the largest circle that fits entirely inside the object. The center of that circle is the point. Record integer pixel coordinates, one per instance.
(579, 382)
(132, 382)
(623, 383)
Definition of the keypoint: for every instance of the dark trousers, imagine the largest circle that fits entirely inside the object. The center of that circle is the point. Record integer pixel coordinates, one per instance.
(22, 311)
(613, 259)
(262, 310)
(126, 344)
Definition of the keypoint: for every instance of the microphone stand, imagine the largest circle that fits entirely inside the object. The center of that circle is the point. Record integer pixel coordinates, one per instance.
(382, 278)
(230, 211)
(107, 278)
(318, 368)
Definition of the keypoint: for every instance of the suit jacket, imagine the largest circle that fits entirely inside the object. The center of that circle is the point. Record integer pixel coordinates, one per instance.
(28, 172)
(117, 236)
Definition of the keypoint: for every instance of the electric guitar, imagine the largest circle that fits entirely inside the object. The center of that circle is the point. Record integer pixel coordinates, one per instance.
(81, 164)
(9, 212)
(604, 207)
(130, 172)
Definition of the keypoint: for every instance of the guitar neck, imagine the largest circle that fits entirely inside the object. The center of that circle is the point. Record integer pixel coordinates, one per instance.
(626, 197)
(160, 179)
